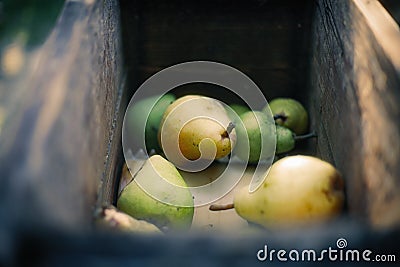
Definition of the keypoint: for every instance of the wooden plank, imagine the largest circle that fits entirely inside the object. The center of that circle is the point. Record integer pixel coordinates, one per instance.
(384, 28)
(393, 7)
(58, 149)
(104, 249)
(355, 96)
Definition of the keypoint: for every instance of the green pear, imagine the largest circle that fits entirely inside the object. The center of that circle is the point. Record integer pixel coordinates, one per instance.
(189, 121)
(298, 190)
(285, 139)
(238, 109)
(259, 130)
(289, 113)
(113, 219)
(235, 111)
(143, 205)
(137, 121)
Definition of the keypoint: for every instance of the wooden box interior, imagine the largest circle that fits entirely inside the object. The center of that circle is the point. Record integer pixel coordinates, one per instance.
(268, 41)
(322, 53)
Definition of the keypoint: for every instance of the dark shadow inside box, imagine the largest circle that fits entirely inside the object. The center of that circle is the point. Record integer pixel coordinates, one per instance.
(267, 40)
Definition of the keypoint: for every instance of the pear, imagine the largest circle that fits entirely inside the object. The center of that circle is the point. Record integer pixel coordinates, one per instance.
(235, 111)
(137, 121)
(286, 139)
(289, 113)
(238, 109)
(188, 122)
(113, 219)
(168, 205)
(259, 130)
(298, 190)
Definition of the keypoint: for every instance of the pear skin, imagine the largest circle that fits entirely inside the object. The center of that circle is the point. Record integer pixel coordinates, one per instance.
(285, 139)
(239, 109)
(194, 132)
(196, 126)
(294, 115)
(137, 121)
(139, 204)
(298, 190)
(155, 116)
(261, 135)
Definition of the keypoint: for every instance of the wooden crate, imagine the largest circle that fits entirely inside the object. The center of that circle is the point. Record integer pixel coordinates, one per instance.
(60, 143)
(60, 151)
(354, 99)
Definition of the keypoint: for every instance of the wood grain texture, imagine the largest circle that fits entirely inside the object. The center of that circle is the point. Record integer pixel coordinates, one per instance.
(355, 103)
(59, 147)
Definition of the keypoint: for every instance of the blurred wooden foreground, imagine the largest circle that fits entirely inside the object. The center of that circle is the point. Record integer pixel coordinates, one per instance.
(60, 147)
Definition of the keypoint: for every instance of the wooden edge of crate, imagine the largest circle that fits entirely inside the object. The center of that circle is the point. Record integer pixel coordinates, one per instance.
(355, 93)
(384, 27)
(59, 146)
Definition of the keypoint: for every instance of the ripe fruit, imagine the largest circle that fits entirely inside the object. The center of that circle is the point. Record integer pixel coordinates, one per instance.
(196, 127)
(298, 190)
(239, 109)
(143, 205)
(289, 113)
(286, 139)
(259, 130)
(138, 122)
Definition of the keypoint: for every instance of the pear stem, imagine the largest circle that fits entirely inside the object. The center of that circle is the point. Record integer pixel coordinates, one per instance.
(219, 207)
(305, 136)
(230, 127)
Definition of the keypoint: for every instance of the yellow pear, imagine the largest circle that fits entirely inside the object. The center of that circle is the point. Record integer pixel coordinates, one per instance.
(196, 127)
(298, 190)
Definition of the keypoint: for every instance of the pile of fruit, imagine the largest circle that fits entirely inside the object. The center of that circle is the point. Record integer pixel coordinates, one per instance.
(297, 190)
